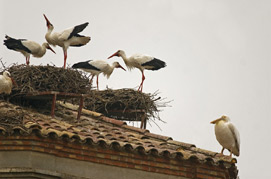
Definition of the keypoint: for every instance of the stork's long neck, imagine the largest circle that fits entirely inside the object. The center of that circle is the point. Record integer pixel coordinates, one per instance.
(42, 51)
(126, 60)
(109, 71)
(6, 76)
(48, 35)
(124, 57)
(49, 31)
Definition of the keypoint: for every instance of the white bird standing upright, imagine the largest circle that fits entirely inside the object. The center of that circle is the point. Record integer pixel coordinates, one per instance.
(141, 62)
(95, 67)
(6, 83)
(68, 37)
(27, 47)
(227, 135)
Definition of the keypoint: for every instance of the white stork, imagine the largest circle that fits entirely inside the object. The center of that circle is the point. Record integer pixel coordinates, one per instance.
(6, 83)
(227, 135)
(95, 67)
(141, 62)
(68, 37)
(27, 47)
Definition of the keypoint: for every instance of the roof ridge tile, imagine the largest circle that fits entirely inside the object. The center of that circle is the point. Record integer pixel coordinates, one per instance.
(136, 129)
(113, 121)
(160, 137)
(181, 144)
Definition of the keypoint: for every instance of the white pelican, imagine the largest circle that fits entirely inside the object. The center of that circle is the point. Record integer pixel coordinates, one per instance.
(68, 37)
(227, 135)
(27, 47)
(95, 67)
(141, 62)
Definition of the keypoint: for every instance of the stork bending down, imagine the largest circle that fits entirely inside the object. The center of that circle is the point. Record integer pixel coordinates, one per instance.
(141, 62)
(27, 47)
(95, 67)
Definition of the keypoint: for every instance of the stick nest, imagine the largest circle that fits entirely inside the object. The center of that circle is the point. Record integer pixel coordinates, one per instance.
(31, 79)
(122, 104)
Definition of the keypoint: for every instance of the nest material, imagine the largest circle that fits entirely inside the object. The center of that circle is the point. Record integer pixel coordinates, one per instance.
(31, 79)
(122, 104)
(9, 119)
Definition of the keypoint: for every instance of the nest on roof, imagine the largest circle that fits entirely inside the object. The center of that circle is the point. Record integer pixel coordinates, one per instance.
(31, 79)
(122, 104)
(9, 119)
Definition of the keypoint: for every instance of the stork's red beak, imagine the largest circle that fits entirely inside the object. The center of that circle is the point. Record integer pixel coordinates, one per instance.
(121, 67)
(13, 82)
(115, 54)
(47, 21)
(51, 49)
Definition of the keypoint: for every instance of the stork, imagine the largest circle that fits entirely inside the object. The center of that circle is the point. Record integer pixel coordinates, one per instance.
(227, 135)
(141, 62)
(6, 83)
(68, 37)
(27, 47)
(95, 67)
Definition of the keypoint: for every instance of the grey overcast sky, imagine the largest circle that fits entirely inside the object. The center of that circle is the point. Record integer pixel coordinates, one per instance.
(217, 54)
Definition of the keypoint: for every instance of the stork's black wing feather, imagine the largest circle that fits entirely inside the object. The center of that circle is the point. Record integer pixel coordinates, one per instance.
(155, 63)
(77, 29)
(85, 65)
(15, 44)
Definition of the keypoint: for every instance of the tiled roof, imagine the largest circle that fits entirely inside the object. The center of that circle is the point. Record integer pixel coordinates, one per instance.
(94, 128)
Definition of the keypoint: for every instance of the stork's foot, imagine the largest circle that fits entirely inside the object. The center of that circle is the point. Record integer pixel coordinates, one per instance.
(228, 157)
(219, 155)
(224, 156)
(140, 88)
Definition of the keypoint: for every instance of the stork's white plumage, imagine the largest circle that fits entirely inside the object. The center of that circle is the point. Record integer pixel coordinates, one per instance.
(95, 67)
(6, 83)
(27, 47)
(68, 37)
(227, 135)
(141, 62)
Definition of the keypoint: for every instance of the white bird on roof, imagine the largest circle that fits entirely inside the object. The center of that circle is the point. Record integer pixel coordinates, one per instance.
(141, 62)
(27, 47)
(6, 83)
(227, 135)
(68, 37)
(95, 67)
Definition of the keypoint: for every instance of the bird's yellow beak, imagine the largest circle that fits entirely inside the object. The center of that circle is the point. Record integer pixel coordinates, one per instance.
(215, 121)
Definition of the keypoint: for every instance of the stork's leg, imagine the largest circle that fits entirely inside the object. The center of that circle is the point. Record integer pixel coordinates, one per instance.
(27, 60)
(97, 82)
(65, 57)
(231, 152)
(90, 81)
(221, 153)
(141, 84)
(222, 150)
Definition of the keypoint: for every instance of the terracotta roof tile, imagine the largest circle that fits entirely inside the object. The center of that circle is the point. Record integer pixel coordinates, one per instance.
(97, 129)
